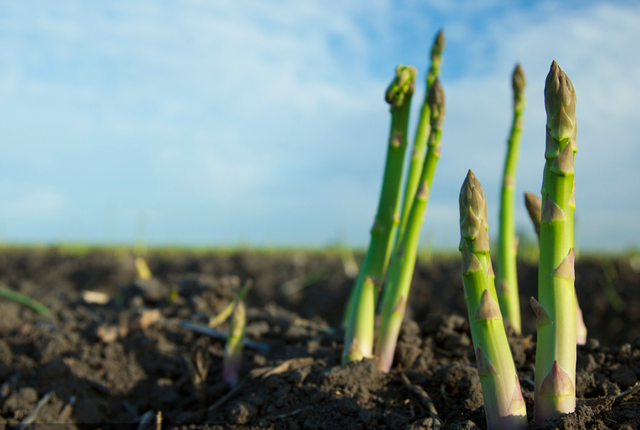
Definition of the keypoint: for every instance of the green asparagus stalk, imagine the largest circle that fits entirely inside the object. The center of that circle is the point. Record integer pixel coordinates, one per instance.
(358, 340)
(403, 262)
(507, 276)
(232, 361)
(420, 141)
(503, 402)
(226, 312)
(534, 207)
(555, 308)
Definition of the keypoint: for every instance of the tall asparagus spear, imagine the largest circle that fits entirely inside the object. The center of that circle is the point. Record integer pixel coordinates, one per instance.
(534, 207)
(402, 264)
(555, 308)
(358, 341)
(507, 276)
(420, 142)
(504, 406)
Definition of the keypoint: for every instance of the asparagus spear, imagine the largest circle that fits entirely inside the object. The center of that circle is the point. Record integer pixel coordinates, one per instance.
(358, 340)
(404, 259)
(507, 276)
(142, 268)
(420, 142)
(534, 207)
(555, 308)
(226, 312)
(503, 401)
(232, 361)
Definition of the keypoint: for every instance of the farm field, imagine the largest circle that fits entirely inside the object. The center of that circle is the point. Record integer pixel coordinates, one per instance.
(103, 365)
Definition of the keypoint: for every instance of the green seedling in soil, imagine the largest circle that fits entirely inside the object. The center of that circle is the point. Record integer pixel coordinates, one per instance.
(226, 312)
(534, 207)
(420, 140)
(503, 402)
(358, 340)
(25, 301)
(142, 268)
(507, 276)
(555, 309)
(403, 262)
(232, 361)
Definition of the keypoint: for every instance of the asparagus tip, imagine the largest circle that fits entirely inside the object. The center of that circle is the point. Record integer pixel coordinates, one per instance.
(560, 103)
(436, 101)
(402, 85)
(472, 206)
(438, 45)
(519, 82)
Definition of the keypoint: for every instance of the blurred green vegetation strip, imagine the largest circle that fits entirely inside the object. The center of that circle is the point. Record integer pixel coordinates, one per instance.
(24, 300)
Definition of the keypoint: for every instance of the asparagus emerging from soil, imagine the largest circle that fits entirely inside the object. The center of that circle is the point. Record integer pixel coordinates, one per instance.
(507, 276)
(420, 142)
(233, 350)
(534, 207)
(226, 312)
(403, 262)
(555, 308)
(358, 340)
(142, 268)
(503, 401)
(24, 300)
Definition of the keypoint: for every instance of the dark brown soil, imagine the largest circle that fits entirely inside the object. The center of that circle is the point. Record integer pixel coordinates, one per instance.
(110, 365)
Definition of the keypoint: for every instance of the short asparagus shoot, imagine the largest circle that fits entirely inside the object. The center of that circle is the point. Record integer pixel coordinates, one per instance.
(142, 268)
(358, 340)
(507, 276)
(232, 361)
(396, 290)
(503, 402)
(555, 308)
(226, 312)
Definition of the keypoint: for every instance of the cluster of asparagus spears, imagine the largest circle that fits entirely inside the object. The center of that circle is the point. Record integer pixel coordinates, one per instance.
(555, 309)
(389, 263)
(395, 234)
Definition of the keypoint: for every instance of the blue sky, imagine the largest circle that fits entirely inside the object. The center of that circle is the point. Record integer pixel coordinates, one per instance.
(219, 122)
